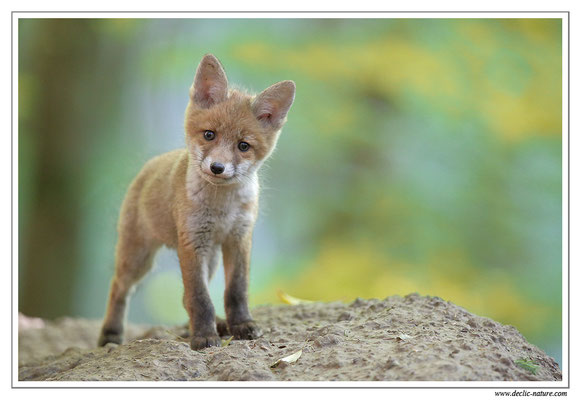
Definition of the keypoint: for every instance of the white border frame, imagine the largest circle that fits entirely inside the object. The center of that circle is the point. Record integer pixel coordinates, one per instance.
(534, 385)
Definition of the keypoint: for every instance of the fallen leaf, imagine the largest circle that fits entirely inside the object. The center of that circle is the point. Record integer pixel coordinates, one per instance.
(288, 299)
(288, 359)
(227, 341)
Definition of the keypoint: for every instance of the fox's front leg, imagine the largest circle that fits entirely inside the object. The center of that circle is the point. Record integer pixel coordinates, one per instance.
(236, 254)
(197, 301)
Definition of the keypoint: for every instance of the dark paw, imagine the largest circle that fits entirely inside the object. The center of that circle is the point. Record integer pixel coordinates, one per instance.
(245, 330)
(201, 342)
(110, 336)
(221, 327)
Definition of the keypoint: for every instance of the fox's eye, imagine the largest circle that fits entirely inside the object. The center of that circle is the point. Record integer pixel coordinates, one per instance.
(243, 146)
(209, 135)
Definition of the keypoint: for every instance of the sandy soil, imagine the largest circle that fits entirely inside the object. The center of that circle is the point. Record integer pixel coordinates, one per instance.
(409, 338)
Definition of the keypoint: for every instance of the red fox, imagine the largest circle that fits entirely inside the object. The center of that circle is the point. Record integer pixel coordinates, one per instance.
(201, 200)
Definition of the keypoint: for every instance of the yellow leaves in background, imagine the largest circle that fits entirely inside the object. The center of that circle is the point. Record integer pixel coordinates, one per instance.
(344, 271)
(506, 73)
(537, 30)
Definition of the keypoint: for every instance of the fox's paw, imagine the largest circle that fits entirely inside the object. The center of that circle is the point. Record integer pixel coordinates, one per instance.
(245, 330)
(110, 336)
(201, 342)
(221, 326)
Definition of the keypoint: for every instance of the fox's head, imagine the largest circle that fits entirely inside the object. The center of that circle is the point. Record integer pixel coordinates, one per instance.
(230, 133)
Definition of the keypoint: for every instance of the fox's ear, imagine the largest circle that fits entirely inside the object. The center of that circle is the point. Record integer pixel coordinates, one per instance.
(271, 106)
(210, 84)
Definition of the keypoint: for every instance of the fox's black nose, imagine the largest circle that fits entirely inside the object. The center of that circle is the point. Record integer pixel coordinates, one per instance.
(217, 168)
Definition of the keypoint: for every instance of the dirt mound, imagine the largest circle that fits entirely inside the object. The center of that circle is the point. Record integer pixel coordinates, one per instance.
(409, 338)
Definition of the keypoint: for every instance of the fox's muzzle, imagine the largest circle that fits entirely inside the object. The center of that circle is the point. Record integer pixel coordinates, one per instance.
(217, 168)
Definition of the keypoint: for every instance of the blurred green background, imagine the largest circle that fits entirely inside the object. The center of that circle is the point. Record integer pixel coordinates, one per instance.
(420, 155)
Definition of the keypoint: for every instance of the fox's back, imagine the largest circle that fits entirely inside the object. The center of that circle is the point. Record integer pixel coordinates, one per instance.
(151, 199)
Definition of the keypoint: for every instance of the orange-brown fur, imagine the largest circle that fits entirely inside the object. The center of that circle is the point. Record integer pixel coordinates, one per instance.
(177, 200)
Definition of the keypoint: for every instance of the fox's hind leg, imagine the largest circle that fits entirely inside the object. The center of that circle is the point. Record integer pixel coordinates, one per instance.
(133, 260)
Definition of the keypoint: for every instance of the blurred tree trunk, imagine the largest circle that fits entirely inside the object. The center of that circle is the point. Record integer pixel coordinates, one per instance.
(58, 53)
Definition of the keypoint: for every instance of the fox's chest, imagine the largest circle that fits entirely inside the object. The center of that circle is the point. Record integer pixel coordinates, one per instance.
(217, 218)
(220, 221)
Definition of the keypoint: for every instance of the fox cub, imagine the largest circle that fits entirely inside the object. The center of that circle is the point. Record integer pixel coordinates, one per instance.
(201, 200)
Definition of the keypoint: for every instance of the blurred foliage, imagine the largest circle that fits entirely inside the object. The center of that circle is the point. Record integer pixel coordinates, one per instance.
(419, 156)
